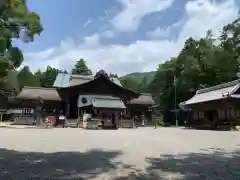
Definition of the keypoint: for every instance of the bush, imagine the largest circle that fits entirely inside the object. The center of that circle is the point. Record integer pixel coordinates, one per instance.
(160, 122)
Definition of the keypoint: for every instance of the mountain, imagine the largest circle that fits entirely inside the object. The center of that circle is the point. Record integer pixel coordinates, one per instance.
(139, 76)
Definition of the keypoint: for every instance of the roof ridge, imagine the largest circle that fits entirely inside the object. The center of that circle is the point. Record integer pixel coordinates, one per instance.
(147, 94)
(77, 75)
(81, 76)
(113, 98)
(220, 86)
(32, 87)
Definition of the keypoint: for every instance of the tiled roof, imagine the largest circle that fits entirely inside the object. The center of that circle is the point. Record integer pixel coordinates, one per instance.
(35, 93)
(77, 80)
(103, 102)
(67, 80)
(214, 93)
(144, 99)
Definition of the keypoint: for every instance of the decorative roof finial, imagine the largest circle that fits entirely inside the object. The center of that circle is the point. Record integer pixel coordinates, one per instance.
(101, 73)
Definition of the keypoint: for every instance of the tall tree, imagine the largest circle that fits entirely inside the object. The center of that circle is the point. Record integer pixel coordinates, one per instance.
(12, 82)
(27, 78)
(16, 21)
(63, 71)
(38, 77)
(201, 63)
(113, 75)
(48, 77)
(81, 68)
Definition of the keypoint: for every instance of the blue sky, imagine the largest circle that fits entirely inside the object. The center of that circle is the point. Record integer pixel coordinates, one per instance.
(120, 36)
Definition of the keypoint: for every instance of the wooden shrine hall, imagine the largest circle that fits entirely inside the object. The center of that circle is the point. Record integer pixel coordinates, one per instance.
(75, 95)
(216, 107)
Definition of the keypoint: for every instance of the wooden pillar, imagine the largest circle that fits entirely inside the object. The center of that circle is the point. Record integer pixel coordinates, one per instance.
(38, 114)
(129, 110)
(78, 112)
(121, 115)
(79, 117)
(67, 108)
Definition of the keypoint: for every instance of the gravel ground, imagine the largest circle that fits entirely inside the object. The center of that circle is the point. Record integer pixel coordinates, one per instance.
(143, 153)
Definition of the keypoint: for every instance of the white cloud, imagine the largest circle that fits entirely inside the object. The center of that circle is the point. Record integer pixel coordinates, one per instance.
(92, 41)
(204, 15)
(129, 18)
(201, 15)
(88, 22)
(163, 32)
(108, 34)
(160, 33)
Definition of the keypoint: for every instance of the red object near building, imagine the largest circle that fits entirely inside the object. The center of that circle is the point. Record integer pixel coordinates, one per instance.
(50, 120)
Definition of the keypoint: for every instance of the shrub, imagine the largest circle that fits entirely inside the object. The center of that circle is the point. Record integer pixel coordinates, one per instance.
(160, 122)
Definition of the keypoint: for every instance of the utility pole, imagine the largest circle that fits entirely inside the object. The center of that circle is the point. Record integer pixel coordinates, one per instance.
(175, 99)
(175, 94)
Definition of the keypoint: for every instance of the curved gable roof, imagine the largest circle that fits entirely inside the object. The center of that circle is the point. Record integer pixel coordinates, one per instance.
(33, 93)
(220, 91)
(99, 84)
(143, 99)
(67, 80)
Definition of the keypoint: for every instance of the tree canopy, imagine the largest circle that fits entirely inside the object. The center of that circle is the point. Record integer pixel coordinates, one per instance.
(38, 79)
(27, 78)
(81, 68)
(48, 77)
(129, 83)
(201, 63)
(16, 21)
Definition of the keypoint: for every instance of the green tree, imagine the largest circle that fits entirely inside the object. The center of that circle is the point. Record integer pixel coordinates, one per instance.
(48, 77)
(201, 63)
(11, 82)
(17, 22)
(130, 84)
(27, 78)
(113, 75)
(81, 68)
(143, 86)
(63, 71)
(38, 77)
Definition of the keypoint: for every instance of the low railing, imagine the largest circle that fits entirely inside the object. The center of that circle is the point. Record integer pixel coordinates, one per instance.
(127, 123)
(96, 122)
(24, 119)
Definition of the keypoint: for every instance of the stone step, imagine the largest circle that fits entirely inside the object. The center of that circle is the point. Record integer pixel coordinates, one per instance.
(71, 124)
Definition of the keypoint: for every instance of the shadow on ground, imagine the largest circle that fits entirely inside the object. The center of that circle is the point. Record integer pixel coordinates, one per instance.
(214, 164)
(60, 165)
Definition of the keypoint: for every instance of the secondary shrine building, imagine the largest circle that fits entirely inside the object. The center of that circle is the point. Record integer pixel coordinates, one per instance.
(74, 95)
(216, 107)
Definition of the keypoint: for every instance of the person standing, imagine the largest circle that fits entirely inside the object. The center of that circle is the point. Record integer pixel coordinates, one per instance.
(62, 119)
(142, 119)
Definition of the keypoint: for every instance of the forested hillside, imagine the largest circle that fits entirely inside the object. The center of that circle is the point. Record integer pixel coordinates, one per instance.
(140, 76)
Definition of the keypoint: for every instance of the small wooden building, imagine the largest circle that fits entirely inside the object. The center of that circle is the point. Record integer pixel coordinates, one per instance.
(75, 95)
(141, 106)
(216, 107)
